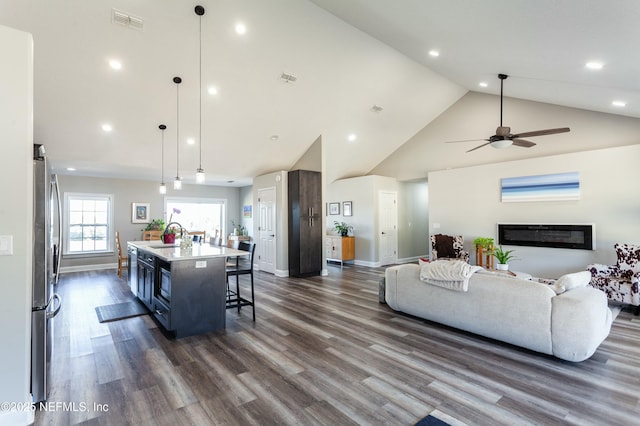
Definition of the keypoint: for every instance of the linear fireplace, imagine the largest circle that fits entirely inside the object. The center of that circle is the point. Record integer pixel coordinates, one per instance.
(580, 237)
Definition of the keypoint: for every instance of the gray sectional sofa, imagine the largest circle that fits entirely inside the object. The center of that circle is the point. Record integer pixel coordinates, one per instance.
(526, 313)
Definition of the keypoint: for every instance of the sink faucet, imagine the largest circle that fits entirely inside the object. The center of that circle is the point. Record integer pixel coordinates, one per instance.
(166, 230)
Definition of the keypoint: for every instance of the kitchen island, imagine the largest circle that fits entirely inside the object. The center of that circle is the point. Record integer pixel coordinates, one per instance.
(185, 289)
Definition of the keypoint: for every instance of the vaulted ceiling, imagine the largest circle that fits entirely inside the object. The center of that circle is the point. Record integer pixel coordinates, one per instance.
(347, 57)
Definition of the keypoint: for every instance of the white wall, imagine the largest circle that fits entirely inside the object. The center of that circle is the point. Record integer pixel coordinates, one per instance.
(467, 202)
(362, 191)
(413, 220)
(246, 199)
(16, 219)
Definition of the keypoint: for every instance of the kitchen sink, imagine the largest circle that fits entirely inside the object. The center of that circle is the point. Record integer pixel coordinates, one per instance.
(159, 246)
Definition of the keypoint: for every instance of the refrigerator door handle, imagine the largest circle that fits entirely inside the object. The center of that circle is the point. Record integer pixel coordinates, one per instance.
(52, 314)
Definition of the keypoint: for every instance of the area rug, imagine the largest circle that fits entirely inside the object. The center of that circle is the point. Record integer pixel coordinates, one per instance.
(120, 311)
(431, 421)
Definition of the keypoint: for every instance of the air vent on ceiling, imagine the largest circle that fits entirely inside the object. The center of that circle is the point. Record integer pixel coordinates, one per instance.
(377, 108)
(288, 78)
(121, 18)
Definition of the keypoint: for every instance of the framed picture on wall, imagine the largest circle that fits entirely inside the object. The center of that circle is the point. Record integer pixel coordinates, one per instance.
(346, 208)
(140, 212)
(334, 208)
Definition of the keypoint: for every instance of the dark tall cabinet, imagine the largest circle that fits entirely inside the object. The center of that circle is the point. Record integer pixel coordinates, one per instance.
(305, 228)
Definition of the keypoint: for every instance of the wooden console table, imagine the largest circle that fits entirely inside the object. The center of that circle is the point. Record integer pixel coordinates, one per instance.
(340, 249)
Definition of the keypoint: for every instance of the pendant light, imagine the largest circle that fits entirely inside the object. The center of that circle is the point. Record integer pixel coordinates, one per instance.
(163, 187)
(177, 183)
(200, 171)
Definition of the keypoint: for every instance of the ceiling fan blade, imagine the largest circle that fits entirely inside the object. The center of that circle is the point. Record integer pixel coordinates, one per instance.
(479, 146)
(541, 132)
(467, 140)
(523, 143)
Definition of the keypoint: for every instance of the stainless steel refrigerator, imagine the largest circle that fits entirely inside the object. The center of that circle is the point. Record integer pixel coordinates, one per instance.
(46, 250)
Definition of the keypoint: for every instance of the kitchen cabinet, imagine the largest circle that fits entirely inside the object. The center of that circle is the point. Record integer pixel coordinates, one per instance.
(185, 289)
(305, 226)
(340, 249)
(145, 277)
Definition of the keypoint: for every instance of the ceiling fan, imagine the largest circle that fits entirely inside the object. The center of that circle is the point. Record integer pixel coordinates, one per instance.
(504, 138)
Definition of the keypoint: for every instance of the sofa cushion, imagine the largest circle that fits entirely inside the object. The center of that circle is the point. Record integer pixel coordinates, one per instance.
(570, 281)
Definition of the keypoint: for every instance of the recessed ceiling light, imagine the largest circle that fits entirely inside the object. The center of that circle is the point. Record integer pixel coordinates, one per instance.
(191, 141)
(352, 137)
(434, 53)
(241, 28)
(483, 84)
(594, 65)
(212, 90)
(619, 104)
(107, 127)
(274, 137)
(115, 64)
(71, 169)
(377, 108)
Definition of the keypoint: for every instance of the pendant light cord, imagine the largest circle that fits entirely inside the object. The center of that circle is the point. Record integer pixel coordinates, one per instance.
(200, 165)
(177, 126)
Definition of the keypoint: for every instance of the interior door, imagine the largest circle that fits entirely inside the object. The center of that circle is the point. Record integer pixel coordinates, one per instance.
(387, 226)
(267, 230)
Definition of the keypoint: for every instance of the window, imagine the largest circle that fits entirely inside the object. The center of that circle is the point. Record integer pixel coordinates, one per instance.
(87, 223)
(197, 214)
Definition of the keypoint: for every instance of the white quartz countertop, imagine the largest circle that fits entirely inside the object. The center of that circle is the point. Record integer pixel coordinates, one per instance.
(173, 252)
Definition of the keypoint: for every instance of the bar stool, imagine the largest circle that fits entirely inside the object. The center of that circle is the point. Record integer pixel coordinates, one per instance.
(241, 267)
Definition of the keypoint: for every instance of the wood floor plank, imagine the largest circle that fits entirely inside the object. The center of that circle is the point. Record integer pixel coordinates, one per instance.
(322, 351)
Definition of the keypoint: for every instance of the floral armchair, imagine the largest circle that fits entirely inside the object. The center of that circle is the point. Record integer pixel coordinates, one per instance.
(620, 282)
(448, 247)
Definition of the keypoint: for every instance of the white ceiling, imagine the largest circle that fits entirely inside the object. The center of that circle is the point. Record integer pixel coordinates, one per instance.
(376, 53)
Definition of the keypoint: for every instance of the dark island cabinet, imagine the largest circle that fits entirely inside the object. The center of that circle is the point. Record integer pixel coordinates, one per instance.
(305, 226)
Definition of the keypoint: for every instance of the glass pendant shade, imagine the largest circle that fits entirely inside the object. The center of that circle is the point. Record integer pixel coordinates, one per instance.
(177, 184)
(200, 175)
(163, 188)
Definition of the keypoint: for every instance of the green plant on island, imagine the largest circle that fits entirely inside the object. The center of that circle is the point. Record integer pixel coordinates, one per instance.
(503, 256)
(342, 228)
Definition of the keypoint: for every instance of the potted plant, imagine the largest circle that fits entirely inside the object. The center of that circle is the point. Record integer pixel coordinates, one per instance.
(484, 251)
(169, 236)
(155, 225)
(342, 228)
(503, 257)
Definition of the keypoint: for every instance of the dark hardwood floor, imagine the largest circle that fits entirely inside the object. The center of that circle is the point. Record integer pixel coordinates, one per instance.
(322, 351)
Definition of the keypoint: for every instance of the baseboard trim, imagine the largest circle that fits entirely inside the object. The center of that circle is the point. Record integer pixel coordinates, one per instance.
(366, 263)
(86, 268)
(282, 273)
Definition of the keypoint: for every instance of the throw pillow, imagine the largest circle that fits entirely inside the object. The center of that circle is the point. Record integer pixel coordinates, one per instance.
(628, 258)
(570, 281)
(422, 261)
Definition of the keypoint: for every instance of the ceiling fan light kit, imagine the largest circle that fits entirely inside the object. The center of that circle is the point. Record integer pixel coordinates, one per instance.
(504, 138)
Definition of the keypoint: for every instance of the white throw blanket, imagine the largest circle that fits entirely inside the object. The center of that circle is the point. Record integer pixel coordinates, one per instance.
(451, 274)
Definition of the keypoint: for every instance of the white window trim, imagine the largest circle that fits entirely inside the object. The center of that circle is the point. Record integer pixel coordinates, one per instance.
(202, 200)
(66, 218)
